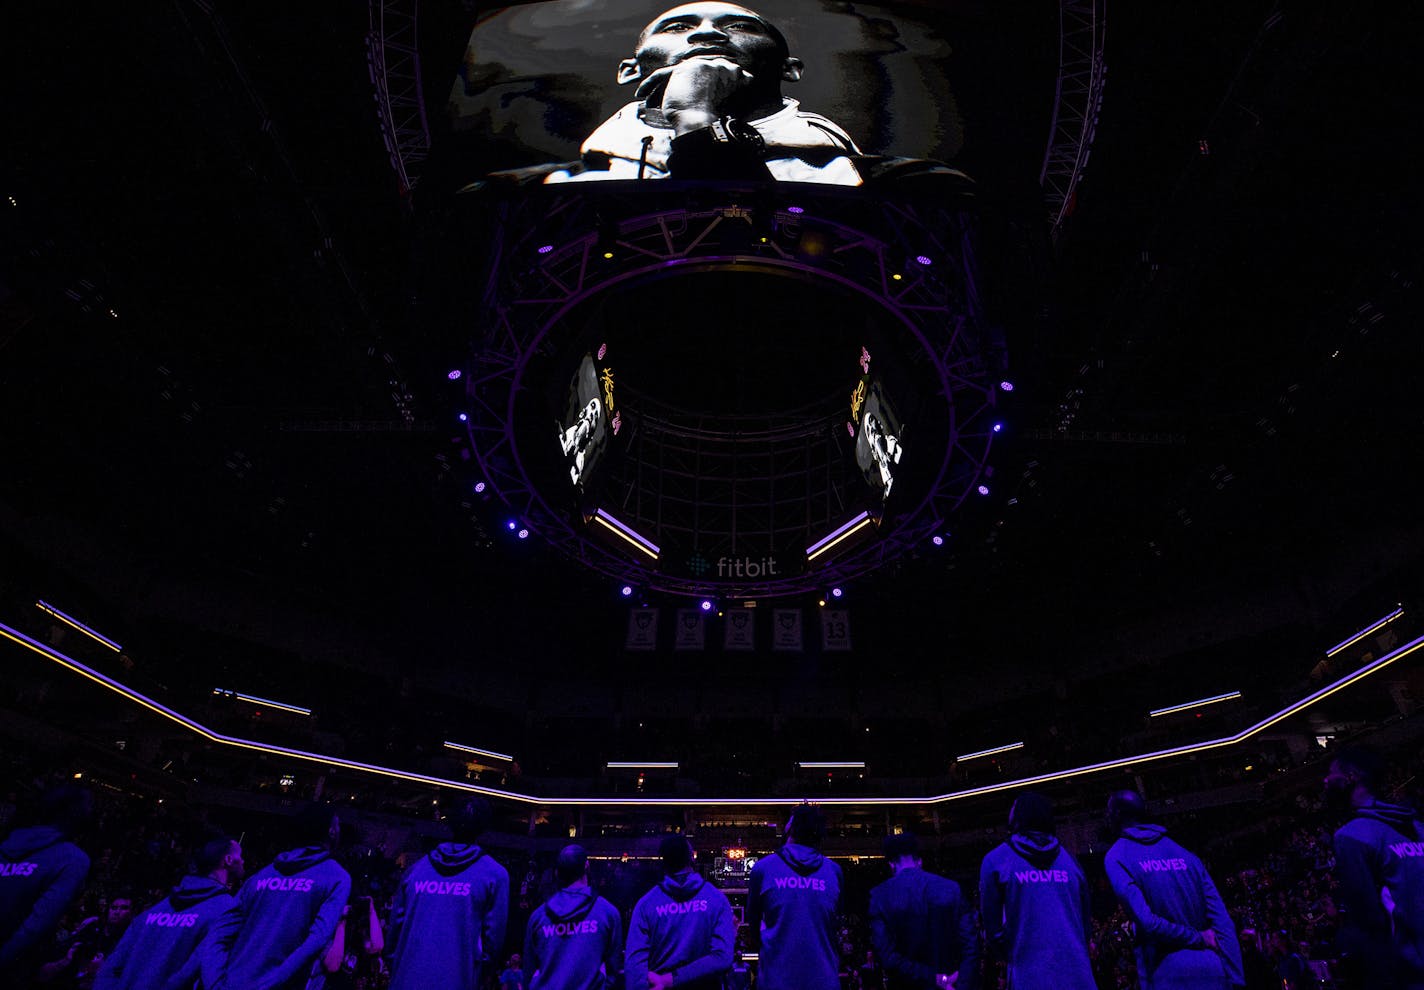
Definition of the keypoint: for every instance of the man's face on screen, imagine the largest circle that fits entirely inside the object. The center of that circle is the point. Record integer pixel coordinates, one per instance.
(712, 30)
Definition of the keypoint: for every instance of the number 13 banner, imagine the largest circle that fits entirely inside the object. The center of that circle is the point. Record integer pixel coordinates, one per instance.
(835, 629)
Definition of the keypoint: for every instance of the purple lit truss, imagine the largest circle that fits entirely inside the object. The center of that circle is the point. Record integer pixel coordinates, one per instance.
(793, 477)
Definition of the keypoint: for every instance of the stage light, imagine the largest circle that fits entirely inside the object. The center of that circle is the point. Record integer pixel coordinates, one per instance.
(463, 417)
(795, 209)
(454, 374)
(836, 592)
(511, 525)
(998, 427)
(983, 489)
(626, 591)
(937, 540)
(706, 605)
(607, 255)
(923, 260)
(1006, 385)
(821, 602)
(545, 248)
(479, 487)
(523, 534)
(897, 276)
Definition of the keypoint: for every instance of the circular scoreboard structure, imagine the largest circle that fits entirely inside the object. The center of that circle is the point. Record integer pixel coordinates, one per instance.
(732, 394)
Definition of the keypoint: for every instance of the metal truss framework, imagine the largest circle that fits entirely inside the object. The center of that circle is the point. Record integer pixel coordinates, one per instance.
(393, 61)
(548, 257)
(1079, 96)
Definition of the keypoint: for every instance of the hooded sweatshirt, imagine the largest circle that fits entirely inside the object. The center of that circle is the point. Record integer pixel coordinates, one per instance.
(792, 898)
(570, 936)
(683, 926)
(40, 873)
(1382, 847)
(448, 919)
(920, 926)
(284, 919)
(1172, 900)
(1037, 910)
(159, 948)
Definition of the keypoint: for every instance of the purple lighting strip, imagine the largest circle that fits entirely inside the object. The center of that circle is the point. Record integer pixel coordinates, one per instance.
(74, 623)
(641, 542)
(1347, 643)
(20, 639)
(844, 530)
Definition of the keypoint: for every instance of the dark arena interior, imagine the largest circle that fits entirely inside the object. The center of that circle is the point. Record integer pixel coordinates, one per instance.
(400, 419)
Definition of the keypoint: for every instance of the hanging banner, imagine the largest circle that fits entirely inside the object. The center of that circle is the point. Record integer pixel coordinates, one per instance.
(740, 629)
(642, 629)
(835, 629)
(691, 630)
(786, 630)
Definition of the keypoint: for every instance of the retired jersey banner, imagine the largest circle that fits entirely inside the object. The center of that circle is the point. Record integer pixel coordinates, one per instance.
(740, 629)
(691, 630)
(786, 629)
(835, 629)
(642, 629)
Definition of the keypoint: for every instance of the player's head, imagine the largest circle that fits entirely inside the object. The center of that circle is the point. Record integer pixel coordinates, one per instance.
(1355, 774)
(1031, 813)
(807, 826)
(1125, 808)
(901, 849)
(315, 825)
(220, 856)
(714, 29)
(676, 853)
(470, 821)
(571, 866)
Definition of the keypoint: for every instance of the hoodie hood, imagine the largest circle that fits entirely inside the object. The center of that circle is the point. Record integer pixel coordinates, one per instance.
(25, 842)
(1397, 816)
(682, 885)
(803, 859)
(297, 860)
(571, 904)
(1145, 834)
(450, 858)
(1039, 848)
(195, 890)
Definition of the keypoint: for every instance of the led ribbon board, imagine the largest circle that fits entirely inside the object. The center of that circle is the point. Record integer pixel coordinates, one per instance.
(340, 763)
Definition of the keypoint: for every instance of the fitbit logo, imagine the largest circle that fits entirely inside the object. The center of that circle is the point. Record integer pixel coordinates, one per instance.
(698, 564)
(750, 567)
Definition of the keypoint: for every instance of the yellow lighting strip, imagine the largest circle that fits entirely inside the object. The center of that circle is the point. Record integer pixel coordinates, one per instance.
(1365, 632)
(78, 626)
(623, 536)
(839, 539)
(1349, 680)
(1187, 706)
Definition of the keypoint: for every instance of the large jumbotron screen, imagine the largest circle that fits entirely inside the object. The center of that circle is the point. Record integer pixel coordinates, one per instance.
(590, 90)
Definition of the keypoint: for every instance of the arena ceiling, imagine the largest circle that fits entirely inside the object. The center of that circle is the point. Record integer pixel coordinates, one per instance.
(223, 368)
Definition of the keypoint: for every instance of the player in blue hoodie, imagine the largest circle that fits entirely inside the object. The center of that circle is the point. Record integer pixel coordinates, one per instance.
(285, 916)
(792, 898)
(682, 931)
(922, 930)
(449, 915)
(159, 950)
(41, 872)
(1036, 903)
(1185, 938)
(574, 938)
(1380, 848)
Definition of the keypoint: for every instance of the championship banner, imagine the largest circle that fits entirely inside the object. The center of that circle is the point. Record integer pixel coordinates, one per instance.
(740, 629)
(786, 630)
(835, 629)
(691, 630)
(642, 629)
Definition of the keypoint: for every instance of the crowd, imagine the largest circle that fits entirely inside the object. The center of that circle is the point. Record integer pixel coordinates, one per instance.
(1299, 907)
